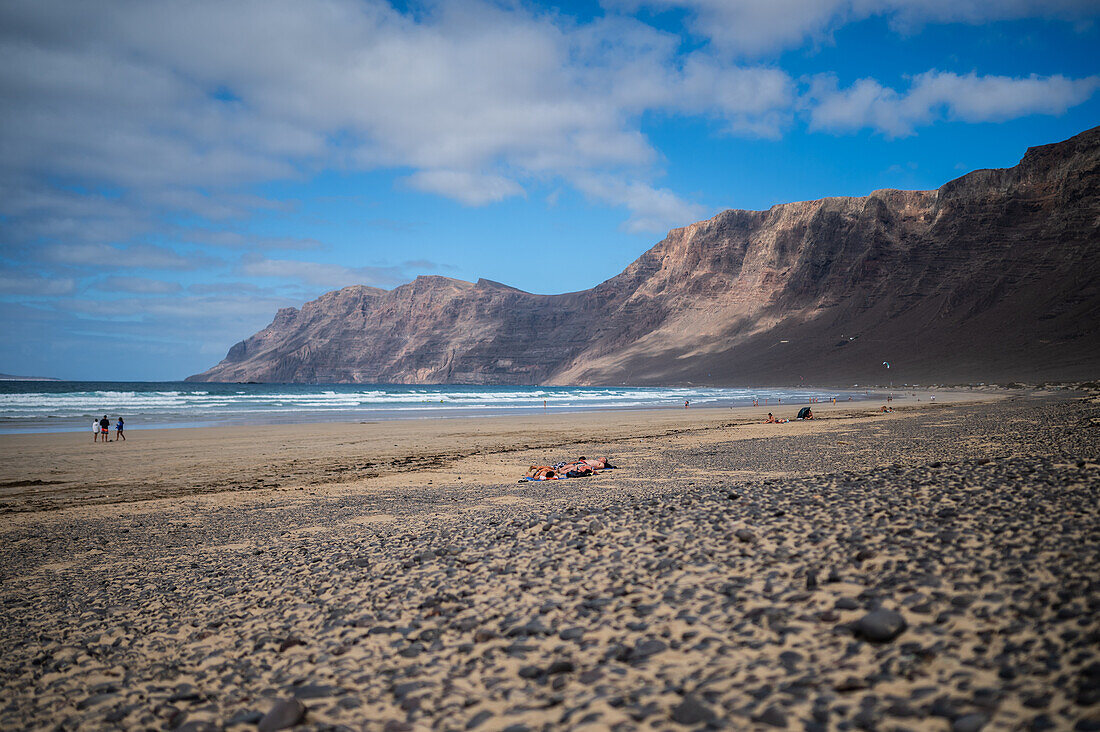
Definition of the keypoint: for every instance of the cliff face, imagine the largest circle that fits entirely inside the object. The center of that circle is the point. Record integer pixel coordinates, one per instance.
(992, 277)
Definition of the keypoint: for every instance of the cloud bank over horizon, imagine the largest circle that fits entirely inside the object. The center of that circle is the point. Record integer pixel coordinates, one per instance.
(163, 160)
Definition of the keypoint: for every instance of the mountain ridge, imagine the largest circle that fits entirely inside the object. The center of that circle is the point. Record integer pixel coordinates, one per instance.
(992, 276)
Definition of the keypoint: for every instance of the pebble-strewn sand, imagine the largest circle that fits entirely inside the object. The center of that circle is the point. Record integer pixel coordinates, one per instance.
(931, 569)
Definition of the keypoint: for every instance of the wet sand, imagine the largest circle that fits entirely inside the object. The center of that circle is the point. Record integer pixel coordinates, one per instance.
(934, 568)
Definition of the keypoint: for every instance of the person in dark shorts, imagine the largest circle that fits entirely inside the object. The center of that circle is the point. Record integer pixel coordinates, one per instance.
(119, 426)
(105, 428)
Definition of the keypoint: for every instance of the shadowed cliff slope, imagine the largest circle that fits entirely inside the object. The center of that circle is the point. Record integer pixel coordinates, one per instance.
(992, 277)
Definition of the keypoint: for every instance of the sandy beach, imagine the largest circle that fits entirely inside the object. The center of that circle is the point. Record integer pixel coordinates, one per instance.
(934, 568)
(57, 470)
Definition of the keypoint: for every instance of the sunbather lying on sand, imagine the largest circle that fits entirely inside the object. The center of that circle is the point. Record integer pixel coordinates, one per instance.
(578, 468)
(772, 420)
(596, 463)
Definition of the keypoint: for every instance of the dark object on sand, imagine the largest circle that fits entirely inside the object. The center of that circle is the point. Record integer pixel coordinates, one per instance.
(880, 626)
(692, 711)
(579, 468)
(285, 713)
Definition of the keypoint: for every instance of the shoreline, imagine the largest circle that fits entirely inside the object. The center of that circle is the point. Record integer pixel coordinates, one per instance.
(50, 471)
(257, 409)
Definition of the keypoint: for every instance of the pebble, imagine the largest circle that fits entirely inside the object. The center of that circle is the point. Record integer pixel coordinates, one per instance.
(881, 626)
(285, 713)
(691, 711)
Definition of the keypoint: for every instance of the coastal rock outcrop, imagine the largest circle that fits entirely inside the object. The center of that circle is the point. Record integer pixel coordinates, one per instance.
(992, 277)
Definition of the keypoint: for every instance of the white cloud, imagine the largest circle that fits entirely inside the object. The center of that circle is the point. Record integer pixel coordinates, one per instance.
(238, 240)
(318, 273)
(189, 102)
(35, 285)
(105, 256)
(138, 286)
(652, 210)
(473, 189)
(936, 95)
(758, 27)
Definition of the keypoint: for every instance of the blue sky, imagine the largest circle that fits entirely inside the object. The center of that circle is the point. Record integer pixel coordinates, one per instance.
(173, 173)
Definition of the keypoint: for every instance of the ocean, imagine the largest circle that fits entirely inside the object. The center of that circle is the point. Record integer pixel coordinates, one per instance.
(69, 406)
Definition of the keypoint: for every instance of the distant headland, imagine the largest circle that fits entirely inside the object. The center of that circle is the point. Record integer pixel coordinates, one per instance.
(992, 277)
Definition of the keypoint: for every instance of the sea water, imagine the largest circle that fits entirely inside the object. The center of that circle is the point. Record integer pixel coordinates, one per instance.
(64, 406)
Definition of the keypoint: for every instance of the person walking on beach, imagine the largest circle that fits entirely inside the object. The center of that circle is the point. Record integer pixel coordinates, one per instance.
(95, 430)
(118, 430)
(105, 428)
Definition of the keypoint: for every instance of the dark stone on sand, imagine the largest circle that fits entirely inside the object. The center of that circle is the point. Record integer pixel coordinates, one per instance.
(1041, 723)
(560, 667)
(413, 650)
(479, 719)
(290, 642)
(790, 659)
(851, 683)
(95, 700)
(315, 691)
(402, 690)
(397, 726)
(943, 707)
(1037, 701)
(969, 723)
(744, 535)
(284, 713)
(571, 633)
(864, 554)
(847, 603)
(646, 648)
(773, 716)
(865, 719)
(692, 711)
(880, 626)
(530, 672)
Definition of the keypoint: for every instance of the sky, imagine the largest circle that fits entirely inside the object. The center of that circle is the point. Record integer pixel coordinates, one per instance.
(171, 174)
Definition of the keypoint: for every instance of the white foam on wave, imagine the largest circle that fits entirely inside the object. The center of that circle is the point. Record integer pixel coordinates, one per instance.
(169, 404)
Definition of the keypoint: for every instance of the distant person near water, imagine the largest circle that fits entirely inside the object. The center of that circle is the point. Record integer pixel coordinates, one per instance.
(95, 430)
(105, 428)
(118, 430)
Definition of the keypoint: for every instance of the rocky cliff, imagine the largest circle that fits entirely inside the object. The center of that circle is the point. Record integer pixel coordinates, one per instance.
(992, 277)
